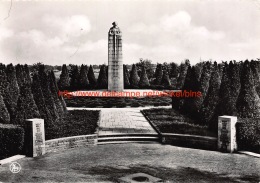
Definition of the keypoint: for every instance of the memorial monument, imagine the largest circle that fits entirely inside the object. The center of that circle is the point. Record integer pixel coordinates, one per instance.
(115, 59)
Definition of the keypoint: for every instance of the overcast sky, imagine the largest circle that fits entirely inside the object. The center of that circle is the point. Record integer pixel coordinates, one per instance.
(57, 32)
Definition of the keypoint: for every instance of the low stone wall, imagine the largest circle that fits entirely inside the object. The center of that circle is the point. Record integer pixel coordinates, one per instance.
(55, 145)
(193, 141)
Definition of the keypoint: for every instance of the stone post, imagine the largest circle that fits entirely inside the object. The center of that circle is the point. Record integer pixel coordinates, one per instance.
(34, 137)
(227, 133)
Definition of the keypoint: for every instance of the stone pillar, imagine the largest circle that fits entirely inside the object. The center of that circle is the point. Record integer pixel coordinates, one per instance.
(115, 59)
(227, 133)
(34, 137)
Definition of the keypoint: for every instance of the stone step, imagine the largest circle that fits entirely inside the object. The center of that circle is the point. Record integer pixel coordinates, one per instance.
(124, 139)
(129, 135)
(124, 142)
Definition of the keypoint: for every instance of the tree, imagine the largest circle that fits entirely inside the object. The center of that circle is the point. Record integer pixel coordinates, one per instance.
(4, 115)
(165, 79)
(203, 83)
(126, 77)
(248, 103)
(13, 89)
(26, 107)
(74, 82)
(183, 71)
(134, 78)
(158, 74)
(5, 91)
(235, 85)
(191, 84)
(102, 78)
(55, 96)
(211, 100)
(45, 86)
(174, 70)
(27, 77)
(144, 81)
(91, 77)
(57, 91)
(64, 82)
(83, 78)
(40, 102)
(148, 67)
(20, 75)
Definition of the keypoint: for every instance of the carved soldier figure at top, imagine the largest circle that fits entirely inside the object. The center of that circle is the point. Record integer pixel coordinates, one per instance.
(114, 30)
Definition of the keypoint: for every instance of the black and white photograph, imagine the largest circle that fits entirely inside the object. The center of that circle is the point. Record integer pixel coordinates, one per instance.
(130, 91)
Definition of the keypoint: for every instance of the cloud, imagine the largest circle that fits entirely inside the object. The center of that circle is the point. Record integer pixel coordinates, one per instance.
(75, 25)
(177, 26)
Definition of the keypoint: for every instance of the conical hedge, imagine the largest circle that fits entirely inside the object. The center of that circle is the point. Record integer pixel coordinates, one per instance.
(4, 115)
(83, 78)
(91, 77)
(64, 82)
(248, 102)
(134, 78)
(144, 81)
(102, 81)
(165, 79)
(40, 102)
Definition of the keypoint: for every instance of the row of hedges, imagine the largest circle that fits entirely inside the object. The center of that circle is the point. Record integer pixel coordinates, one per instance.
(248, 134)
(11, 140)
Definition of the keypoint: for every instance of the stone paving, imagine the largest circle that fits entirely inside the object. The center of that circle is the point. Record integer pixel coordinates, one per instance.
(123, 120)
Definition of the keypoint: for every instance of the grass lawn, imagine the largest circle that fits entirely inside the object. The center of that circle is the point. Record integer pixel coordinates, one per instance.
(77, 122)
(120, 102)
(170, 121)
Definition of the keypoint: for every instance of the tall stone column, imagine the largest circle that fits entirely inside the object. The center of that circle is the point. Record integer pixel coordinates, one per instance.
(115, 59)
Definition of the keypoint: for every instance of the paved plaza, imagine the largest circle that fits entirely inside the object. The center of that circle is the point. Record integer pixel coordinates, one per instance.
(108, 163)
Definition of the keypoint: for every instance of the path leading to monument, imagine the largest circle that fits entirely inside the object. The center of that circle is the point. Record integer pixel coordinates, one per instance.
(123, 120)
(123, 125)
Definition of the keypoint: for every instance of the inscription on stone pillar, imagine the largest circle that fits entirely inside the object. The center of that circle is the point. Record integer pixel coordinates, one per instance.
(35, 137)
(227, 133)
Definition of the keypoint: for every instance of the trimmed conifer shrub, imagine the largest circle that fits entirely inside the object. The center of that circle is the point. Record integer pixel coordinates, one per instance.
(183, 71)
(174, 70)
(144, 81)
(13, 89)
(203, 83)
(64, 82)
(191, 84)
(74, 82)
(55, 96)
(45, 86)
(83, 78)
(40, 102)
(64, 108)
(165, 79)
(91, 77)
(126, 77)
(158, 74)
(102, 81)
(235, 85)
(211, 100)
(26, 107)
(134, 78)
(248, 102)
(20, 75)
(4, 115)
